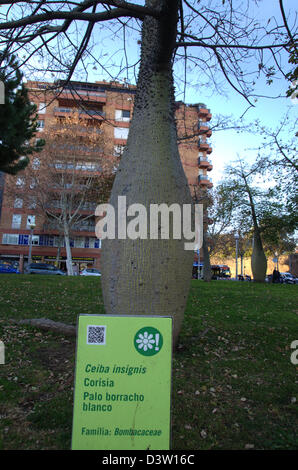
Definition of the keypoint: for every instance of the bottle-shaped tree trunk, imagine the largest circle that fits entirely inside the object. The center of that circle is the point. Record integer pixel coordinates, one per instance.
(258, 259)
(150, 276)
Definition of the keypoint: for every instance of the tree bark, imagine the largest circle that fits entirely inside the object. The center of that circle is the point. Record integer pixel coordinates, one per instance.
(207, 267)
(68, 250)
(258, 258)
(146, 276)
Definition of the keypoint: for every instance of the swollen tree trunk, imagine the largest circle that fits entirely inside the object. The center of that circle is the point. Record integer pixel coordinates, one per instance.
(258, 259)
(150, 276)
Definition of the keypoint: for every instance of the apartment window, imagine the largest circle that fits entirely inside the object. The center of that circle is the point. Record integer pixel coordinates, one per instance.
(40, 125)
(16, 221)
(35, 239)
(36, 163)
(122, 115)
(118, 150)
(33, 183)
(18, 203)
(30, 221)
(32, 202)
(58, 241)
(91, 242)
(79, 242)
(42, 108)
(10, 238)
(121, 132)
(20, 181)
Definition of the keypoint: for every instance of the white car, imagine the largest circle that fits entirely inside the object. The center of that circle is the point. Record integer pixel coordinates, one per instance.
(90, 272)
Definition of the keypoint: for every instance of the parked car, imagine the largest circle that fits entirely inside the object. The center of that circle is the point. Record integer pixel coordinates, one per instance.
(288, 278)
(8, 269)
(43, 268)
(90, 272)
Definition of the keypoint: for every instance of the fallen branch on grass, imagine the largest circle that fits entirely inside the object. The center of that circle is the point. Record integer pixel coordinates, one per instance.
(49, 325)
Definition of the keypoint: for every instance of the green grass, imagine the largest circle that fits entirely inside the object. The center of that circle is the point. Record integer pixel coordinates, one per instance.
(233, 382)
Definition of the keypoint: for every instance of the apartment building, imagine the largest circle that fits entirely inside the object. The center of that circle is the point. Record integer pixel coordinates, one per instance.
(107, 107)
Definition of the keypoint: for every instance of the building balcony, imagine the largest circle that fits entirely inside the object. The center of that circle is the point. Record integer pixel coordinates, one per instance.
(204, 129)
(204, 180)
(53, 227)
(83, 228)
(205, 163)
(204, 146)
(203, 111)
(94, 113)
(86, 95)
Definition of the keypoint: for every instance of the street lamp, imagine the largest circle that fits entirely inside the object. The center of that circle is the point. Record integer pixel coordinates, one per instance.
(32, 227)
(237, 245)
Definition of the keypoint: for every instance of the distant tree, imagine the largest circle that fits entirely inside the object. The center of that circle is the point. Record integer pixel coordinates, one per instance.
(277, 162)
(278, 231)
(18, 120)
(219, 205)
(251, 201)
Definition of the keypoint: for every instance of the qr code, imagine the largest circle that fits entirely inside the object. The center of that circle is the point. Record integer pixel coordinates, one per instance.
(96, 334)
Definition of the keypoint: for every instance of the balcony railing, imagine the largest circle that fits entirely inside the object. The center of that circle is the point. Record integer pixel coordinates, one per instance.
(203, 161)
(203, 124)
(202, 144)
(91, 112)
(205, 179)
(83, 228)
(74, 228)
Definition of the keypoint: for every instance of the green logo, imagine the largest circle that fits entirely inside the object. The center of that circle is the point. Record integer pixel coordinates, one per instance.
(148, 341)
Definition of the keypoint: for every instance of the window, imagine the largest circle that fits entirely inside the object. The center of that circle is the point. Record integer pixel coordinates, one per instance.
(118, 150)
(91, 242)
(79, 242)
(42, 108)
(36, 163)
(122, 115)
(33, 183)
(35, 239)
(16, 221)
(58, 241)
(40, 125)
(20, 181)
(10, 239)
(121, 132)
(30, 221)
(32, 202)
(18, 203)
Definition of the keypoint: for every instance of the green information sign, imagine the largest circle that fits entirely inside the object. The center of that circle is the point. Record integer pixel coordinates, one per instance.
(122, 383)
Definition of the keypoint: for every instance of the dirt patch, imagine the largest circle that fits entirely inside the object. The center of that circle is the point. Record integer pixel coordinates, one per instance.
(55, 359)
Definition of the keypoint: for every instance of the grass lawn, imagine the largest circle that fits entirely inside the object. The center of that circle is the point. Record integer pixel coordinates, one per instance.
(234, 385)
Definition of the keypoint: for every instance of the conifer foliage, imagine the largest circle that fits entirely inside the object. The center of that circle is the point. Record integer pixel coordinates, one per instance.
(18, 120)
